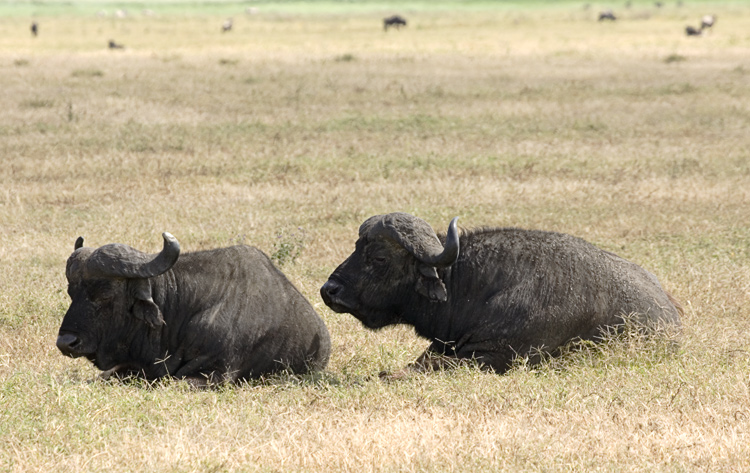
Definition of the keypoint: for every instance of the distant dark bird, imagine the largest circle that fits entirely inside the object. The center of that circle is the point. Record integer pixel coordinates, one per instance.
(690, 31)
(226, 26)
(607, 15)
(34, 28)
(113, 45)
(708, 21)
(394, 20)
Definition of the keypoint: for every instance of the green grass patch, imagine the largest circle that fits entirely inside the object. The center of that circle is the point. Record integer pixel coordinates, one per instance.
(674, 58)
(37, 103)
(87, 73)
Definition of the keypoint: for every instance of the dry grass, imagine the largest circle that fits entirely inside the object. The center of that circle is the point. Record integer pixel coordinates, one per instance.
(303, 125)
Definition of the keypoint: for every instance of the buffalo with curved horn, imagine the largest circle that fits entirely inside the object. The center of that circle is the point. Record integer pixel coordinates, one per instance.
(491, 294)
(211, 316)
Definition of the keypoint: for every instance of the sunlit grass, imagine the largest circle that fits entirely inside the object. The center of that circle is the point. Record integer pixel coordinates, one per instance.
(292, 129)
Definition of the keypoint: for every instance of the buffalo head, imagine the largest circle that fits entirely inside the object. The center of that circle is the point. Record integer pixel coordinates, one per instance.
(112, 301)
(396, 258)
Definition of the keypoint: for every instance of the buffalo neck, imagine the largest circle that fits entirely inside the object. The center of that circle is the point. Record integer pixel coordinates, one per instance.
(431, 320)
(442, 321)
(168, 297)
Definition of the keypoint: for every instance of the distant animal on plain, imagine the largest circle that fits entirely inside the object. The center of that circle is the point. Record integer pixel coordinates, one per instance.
(113, 45)
(34, 28)
(395, 21)
(658, 4)
(227, 25)
(213, 316)
(491, 294)
(607, 15)
(708, 21)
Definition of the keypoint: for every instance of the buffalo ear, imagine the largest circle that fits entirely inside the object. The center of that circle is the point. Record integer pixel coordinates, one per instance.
(429, 284)
(144, 308)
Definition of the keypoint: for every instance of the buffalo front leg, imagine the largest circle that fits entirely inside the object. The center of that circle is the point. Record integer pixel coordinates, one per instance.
(427, 362)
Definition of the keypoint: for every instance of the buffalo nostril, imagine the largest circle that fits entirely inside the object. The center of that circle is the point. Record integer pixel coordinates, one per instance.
(67, 343)
(330, 288)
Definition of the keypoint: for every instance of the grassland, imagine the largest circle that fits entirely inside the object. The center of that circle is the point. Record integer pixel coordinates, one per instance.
(289, 131)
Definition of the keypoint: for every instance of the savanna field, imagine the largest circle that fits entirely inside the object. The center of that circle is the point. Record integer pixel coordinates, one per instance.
(290, 130)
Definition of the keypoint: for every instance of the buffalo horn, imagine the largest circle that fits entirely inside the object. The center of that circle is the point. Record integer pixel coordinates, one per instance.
(417, 237)
(449, 255)
(117, 260)
(79, 243)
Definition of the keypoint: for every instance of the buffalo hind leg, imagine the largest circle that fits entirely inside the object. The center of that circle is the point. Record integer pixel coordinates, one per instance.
(195, 372)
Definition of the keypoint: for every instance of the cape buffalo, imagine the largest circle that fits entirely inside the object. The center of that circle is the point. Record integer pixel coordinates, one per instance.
(493, 293)
(691, 31)
(210, 316)
(394, 20)
(607, 15)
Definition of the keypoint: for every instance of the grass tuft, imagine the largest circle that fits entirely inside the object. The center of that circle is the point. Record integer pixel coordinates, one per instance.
(675, 58)
(37, 103)
(88, 72)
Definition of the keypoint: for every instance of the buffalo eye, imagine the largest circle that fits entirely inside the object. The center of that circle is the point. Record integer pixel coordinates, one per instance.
(99, 291)
(376, 259)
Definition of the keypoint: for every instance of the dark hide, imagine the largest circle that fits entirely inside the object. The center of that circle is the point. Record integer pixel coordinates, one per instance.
(219, 315)
(395, 21)
(510, 292)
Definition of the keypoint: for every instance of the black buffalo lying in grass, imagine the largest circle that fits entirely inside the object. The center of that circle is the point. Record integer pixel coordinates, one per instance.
(491, 294)
(211, 316)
